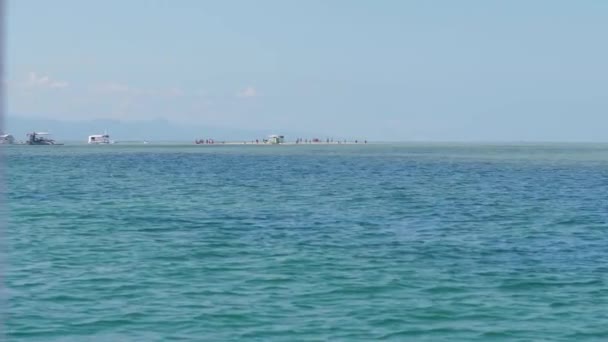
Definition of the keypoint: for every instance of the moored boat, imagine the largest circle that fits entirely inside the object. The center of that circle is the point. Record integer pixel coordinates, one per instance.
(7, 139)
(99, 139)
(40, 138)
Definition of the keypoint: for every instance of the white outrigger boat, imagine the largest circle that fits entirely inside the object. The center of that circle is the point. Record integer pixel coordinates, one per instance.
(100, 139)
(7, 139)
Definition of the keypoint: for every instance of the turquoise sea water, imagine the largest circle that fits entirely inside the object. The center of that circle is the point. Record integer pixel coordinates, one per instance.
(407, 242)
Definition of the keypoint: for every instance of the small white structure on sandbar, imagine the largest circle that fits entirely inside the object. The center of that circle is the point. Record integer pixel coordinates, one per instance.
(276, 139)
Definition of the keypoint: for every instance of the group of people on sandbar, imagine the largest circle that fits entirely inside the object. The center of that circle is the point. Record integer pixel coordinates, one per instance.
(316, 141)
(327, 141)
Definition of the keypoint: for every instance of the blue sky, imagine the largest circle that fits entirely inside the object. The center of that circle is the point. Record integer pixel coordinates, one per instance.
(388, 69)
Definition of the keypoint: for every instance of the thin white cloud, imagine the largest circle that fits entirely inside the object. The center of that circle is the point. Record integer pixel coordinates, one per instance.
(43, 81)
(116, 88)
(174, 92)
(248, 92)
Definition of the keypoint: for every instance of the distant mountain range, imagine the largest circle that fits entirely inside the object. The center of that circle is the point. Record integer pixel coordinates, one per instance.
(150, 130)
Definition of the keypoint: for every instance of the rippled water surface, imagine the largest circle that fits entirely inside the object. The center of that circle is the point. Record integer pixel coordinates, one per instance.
(307, 243)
